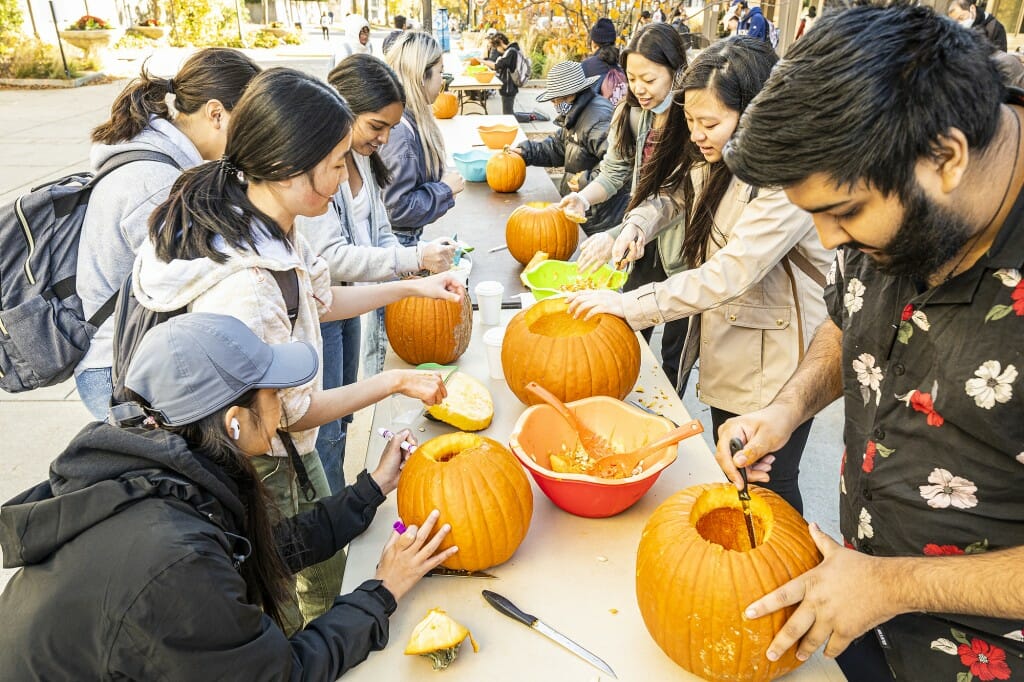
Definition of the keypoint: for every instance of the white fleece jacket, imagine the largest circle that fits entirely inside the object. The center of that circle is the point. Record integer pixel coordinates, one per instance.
(244, 288)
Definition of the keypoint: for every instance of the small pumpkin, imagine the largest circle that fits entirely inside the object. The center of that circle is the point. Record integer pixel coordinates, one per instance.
(695, 573)
(480, 489)
(429, 329)
(446, 105)
(468, 405)
(506, 172)
(540, 226)
(572, 358)
(438, 637)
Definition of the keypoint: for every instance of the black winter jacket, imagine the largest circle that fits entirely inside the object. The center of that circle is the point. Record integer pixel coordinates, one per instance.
(579, 145)
(991, 29)
(504, 67)
(128, 571)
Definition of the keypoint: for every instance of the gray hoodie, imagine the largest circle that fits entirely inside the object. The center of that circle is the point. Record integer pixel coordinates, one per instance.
(117, 221)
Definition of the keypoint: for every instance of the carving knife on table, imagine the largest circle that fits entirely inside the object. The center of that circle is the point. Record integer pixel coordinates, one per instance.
(506, 607)
(441, 571)
(735, 445)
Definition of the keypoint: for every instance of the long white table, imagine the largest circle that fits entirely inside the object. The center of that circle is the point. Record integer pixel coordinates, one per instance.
(575, 574)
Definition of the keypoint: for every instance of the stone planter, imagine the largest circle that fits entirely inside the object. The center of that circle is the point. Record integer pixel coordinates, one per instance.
(279, 32)
(94, 43)
(151, 32)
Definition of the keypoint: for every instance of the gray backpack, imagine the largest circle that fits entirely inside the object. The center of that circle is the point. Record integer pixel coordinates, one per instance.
(43, 330)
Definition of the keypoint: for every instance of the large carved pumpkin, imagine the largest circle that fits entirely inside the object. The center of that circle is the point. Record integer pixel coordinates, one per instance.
(540, 226)
(572, 358)
(480, 489)
(506, 172)
(446, 105)
(695, 574)
(429, 329)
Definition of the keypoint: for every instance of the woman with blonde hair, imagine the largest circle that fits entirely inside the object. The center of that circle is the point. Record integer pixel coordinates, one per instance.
(421, 189)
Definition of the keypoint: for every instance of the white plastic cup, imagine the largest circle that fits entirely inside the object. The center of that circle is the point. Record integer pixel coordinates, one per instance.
(492, 340)
(526, 299)
(488, 300)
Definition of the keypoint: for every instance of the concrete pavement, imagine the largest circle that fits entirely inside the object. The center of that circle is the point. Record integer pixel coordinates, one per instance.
(44, 134)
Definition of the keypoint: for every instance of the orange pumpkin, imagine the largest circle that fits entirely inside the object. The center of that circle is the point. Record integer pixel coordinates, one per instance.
(572, 358)
(446, 105)
(540, 226)
(506, 172)
(480, 489)
(429, 329)
(695, 573)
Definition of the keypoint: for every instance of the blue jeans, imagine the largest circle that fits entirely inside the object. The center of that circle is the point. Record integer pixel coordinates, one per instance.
(95, 387)
(375, 343)
(341, 367)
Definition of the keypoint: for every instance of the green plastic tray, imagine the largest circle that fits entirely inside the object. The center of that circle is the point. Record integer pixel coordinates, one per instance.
(547, 278)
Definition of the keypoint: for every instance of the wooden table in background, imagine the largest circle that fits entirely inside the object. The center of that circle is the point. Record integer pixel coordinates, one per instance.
(480, 214)
(575, 574)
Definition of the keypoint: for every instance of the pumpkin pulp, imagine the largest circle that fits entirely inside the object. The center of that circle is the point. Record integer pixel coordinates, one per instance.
(718, 518)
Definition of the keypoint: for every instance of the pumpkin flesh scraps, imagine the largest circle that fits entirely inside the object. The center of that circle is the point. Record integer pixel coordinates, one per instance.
(468, 405)
(438, 637)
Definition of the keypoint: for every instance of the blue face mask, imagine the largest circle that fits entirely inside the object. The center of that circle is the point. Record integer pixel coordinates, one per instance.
(562, 108)
(665, 103)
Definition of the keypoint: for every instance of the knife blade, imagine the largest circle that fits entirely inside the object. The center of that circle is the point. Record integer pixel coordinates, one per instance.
(506, 607)
(441, 571)
(735, 445)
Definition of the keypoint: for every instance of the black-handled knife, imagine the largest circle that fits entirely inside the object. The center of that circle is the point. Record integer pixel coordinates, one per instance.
(506, 607)
(735, 445)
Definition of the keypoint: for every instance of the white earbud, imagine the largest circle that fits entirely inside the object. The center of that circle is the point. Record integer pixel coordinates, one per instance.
(234, 428)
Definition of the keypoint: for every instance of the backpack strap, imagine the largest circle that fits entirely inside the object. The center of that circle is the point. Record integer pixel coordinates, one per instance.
(288, 283)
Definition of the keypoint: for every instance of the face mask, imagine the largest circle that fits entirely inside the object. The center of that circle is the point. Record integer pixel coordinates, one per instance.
(563, 108)
(966, 23)
(665, 104)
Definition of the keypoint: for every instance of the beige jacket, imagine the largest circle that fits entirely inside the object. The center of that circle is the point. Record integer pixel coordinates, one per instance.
(242, 287)
(754, 309)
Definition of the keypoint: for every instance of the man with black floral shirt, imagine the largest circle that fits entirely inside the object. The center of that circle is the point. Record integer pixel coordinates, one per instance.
(891, 126)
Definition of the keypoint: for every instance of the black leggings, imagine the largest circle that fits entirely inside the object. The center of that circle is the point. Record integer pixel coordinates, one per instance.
(785, 474)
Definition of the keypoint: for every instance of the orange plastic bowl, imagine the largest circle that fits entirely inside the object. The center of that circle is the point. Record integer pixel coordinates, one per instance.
(498, 135)
(541, 431)
(483, 76)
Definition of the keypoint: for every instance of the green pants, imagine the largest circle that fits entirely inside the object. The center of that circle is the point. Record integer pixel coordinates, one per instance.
(316, 586)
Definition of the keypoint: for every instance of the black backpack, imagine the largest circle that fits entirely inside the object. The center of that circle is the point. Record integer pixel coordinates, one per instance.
(43, 330)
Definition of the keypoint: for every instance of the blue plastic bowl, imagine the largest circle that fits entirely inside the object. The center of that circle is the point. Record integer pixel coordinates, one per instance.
(472, 165)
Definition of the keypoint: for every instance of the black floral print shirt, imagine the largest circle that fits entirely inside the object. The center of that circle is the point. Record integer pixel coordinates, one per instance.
(934, 462)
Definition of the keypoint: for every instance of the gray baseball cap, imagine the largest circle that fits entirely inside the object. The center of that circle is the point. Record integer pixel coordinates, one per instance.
(195, 364)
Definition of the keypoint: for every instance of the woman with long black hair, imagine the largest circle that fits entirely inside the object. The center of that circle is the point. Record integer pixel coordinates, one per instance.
(169, 562)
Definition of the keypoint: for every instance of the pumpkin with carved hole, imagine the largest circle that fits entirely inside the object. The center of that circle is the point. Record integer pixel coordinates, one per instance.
(696, 573)
(540, 226)
(480, 489)
(506, 172)
(429, 329)
(572, 358)
(446, 105)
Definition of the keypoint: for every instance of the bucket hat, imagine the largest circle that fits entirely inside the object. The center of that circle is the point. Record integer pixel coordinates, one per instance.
(564, 79)
(197, 363)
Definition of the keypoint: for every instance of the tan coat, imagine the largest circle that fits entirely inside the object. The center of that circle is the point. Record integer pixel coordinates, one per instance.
(754, 310)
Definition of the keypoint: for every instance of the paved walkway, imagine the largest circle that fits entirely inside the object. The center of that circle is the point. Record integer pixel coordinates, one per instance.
(45, 134)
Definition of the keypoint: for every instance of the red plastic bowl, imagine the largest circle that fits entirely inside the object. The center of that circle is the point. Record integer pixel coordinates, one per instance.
(541, 431)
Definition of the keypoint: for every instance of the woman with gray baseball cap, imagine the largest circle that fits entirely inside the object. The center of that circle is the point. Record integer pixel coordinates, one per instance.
(152, 553)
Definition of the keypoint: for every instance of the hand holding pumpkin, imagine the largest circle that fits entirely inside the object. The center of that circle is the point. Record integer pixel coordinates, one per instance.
(391, 462)
(587, 304)
(444, 285)
(834, 606)
(763, 432)
(408, 557)
(595, 251)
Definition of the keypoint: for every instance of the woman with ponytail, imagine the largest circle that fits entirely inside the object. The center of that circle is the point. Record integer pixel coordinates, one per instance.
(354, 236)
(421, 189)
(755, 288)
(224, 242)
(169, 563)
(182, 119)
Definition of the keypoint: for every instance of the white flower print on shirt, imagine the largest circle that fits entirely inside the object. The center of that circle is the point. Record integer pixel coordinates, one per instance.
(854, 298)
(921, 320)
(944, 645)
(869, 376)
(1020, 458)
(864, 529)
(949, 490)
(991, 384)
(1010, 277)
